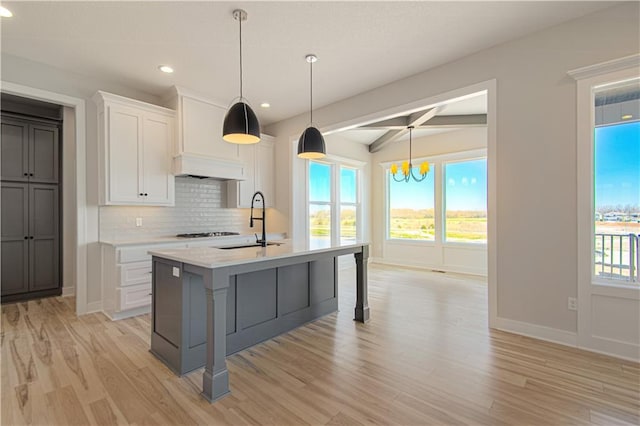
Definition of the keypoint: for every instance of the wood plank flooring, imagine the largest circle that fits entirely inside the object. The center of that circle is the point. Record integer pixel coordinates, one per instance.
(426, 357)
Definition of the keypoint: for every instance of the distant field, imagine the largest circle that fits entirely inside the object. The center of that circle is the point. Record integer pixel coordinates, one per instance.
(461, 226)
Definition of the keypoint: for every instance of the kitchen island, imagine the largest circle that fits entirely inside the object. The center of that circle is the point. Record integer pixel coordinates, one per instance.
(209, 302)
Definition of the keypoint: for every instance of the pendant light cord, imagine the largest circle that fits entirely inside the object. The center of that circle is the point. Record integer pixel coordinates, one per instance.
(240, 22)
(311, 90)
(410, 143)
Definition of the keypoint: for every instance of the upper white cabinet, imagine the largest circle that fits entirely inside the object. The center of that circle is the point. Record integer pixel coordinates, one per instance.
(135, 152)
(259, 162)
(200, 149)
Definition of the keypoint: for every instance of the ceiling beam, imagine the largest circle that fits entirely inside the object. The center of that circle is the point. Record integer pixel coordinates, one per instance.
(415, 119)
(470, 120)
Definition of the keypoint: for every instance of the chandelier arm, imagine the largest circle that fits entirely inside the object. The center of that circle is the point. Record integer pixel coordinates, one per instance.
(420, 179)
(402, 179)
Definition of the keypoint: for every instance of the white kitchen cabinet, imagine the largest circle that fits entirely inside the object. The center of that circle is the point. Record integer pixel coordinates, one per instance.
(135, 150)
(259, 160)
(126, 279)
(200, 149)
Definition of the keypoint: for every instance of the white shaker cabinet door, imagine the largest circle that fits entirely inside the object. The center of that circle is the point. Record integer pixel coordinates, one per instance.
(158, 183)
(124, 158)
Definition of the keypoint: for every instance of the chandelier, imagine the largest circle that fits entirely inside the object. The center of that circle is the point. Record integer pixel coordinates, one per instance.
(407, 168)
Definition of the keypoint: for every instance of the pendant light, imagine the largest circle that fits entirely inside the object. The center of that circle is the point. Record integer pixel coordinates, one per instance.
(407, 167)
(311, 143)
(241, 125)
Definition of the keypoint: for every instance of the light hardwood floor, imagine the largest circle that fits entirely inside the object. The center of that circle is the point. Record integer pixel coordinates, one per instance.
(426, 357)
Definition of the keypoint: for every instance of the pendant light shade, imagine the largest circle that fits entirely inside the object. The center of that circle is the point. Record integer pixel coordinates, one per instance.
(311, 143)
(241, 125)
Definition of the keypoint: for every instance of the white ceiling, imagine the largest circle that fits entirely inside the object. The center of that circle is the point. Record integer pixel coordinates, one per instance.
(360, 45)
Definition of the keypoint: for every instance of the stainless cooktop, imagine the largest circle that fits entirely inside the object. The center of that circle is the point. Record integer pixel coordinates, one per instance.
(207, 234)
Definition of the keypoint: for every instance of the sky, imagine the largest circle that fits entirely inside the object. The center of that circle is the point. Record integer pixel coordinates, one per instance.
(466, 188)
(617, 165)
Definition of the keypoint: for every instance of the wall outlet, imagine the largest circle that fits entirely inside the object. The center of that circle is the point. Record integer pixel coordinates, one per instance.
(176, 272)
(138, 221)
(572, 304)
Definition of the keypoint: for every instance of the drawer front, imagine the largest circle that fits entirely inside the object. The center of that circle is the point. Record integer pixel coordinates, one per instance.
(135, 273)
(140, 254)
(135, 296)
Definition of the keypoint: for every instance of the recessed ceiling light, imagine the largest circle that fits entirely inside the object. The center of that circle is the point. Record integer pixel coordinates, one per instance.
(265, 105)
(5, 13)
(627, 116)
(165, 68)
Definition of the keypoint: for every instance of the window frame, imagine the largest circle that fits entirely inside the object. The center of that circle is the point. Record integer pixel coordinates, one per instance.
(336, 163)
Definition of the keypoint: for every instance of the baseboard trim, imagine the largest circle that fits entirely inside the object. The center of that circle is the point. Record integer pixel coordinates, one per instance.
(93, 307)
(612, 347)
(540, 332)
(68, 291)
(422, 267)
(116, 316)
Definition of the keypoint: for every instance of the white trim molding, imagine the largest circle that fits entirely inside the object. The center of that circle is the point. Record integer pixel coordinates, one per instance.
(535, 331)
(80, 179)
(607, 67)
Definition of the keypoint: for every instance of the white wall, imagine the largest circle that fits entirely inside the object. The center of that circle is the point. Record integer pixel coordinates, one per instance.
(536, 150)
(465, 258)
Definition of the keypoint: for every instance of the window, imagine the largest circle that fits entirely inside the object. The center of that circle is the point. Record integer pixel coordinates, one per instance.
(616, 182)
(448, 206)
(411, 208)
(466, 201)
(334, 204)
(319, 205)
(348, 205)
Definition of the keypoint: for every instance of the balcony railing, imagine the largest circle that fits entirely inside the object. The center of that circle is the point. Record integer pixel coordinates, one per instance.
(617, 257)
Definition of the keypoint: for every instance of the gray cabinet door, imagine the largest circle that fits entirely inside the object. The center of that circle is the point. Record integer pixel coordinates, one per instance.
(43, 237)
(43, 153)
(14, 159)
(14, 241)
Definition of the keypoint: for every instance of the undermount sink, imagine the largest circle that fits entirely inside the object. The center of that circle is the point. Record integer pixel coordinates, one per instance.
(247, 245)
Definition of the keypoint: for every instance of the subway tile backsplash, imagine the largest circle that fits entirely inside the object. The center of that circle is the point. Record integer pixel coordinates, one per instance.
(200, 207)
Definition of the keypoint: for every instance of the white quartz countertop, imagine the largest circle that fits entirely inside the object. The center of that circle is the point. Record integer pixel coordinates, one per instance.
(223, 240)
(212, 257)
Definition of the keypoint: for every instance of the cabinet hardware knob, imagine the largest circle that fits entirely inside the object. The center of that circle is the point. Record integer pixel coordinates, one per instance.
(149, 294)
(30, 174)
(31, 238)
(26, 238)
(146, 195)
(141, 194)
(26, 174)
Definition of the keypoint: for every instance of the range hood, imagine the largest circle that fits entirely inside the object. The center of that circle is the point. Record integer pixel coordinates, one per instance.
(206, 167)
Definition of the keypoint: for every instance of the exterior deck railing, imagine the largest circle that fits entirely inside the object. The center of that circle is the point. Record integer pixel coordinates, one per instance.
(617, 257)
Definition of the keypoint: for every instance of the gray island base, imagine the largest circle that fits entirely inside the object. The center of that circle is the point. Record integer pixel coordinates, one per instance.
(209, 303)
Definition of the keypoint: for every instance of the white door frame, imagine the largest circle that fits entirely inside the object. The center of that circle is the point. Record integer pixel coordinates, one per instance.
(298, 197)
(80, 248)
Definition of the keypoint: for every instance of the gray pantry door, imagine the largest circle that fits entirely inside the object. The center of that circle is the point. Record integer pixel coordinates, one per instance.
(30, 215)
